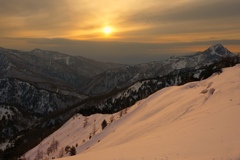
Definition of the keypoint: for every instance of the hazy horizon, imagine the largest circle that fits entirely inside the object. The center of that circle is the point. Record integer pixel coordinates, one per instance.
(139, 31)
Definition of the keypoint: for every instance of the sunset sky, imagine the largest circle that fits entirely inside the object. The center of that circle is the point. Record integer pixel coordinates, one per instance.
(138, 30)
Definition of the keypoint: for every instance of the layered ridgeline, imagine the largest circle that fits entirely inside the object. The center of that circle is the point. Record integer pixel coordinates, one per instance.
(198, 120)
(44, 89)
(50, 70)
(126, 76)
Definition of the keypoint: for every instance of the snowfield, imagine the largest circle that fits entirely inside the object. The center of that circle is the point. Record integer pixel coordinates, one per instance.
(196, 121)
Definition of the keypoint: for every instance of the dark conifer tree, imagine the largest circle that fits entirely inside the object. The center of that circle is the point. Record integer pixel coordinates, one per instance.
(104, 124)
(73, 151)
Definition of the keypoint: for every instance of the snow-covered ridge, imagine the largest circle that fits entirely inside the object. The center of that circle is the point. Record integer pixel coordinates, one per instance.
(198, 120)
(128, 75)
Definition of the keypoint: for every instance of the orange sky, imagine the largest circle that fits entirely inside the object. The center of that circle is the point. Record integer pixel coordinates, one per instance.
(192, 25)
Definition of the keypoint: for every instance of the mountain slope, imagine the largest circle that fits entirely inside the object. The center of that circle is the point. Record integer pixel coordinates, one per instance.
(49, 69)
(35, 84)
(81, 65)
(22, 105)
(128, 75)
(198, 120)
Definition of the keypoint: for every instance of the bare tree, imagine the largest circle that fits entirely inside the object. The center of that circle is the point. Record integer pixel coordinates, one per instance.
(39, 155)
(67, 149)
(49, 150)
(111, 119)
(61, 153)
(125, 111)
(94, 129)
(85, 122)
(90, 136)
(53, 146)
(121, 113)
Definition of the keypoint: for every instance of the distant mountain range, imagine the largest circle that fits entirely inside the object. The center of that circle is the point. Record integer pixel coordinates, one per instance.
(50, 70)
(40, 90)
(125, 76)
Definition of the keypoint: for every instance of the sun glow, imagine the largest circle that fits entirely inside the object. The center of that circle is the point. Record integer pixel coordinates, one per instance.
(107, 30)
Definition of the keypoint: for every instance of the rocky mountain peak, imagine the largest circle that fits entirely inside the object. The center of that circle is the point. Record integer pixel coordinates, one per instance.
(218, 49)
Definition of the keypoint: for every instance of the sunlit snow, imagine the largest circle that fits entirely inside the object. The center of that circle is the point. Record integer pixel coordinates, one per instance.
(196, 121)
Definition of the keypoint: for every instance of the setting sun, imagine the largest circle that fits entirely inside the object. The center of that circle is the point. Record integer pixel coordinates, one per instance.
(107, 30)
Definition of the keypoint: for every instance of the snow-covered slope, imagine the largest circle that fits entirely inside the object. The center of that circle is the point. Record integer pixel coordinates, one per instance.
(198, 120)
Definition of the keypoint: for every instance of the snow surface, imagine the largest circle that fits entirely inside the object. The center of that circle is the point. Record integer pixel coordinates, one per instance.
(4, 145)
(134, 87)
(196, 121)
(5, 111)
